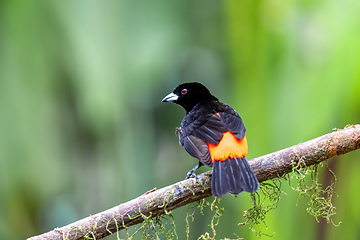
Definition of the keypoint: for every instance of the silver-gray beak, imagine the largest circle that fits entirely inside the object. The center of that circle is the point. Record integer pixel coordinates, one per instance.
(170, 98)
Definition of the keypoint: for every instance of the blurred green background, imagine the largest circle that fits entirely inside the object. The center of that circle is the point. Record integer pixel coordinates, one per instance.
(82, 128)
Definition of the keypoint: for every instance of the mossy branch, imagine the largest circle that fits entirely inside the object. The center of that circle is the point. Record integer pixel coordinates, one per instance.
(158, 202)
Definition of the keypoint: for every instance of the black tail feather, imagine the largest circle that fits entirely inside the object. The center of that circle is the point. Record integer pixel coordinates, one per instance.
(233, 175)
(219, 183)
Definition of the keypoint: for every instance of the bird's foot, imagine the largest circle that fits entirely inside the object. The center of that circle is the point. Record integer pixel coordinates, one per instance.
(191, 174)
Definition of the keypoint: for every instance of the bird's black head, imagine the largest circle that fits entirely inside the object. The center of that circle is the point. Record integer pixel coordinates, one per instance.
(188, 95)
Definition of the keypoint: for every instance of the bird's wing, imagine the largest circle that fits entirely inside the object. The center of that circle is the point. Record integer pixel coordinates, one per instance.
(209, 128)
(197, 148)
(212, 130)
(233, 122)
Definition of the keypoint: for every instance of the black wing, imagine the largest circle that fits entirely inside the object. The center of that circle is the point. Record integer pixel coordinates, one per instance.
(233, 122)
(196, 147)
(212, 130)
(204, 126)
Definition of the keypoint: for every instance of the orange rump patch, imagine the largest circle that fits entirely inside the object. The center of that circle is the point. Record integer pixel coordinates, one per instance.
(228, 147)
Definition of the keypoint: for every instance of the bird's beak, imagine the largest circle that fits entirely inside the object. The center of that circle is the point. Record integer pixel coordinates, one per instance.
(170, 98)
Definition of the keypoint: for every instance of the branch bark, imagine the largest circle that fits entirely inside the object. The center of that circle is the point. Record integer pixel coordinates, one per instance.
(157, 202)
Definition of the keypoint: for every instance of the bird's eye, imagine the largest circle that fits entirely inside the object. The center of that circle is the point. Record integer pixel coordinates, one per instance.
(184, 91)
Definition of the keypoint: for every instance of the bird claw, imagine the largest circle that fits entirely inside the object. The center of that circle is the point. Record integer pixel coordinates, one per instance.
(190, 174)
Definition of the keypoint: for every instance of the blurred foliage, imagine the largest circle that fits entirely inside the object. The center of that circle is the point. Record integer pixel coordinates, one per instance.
(82, 127)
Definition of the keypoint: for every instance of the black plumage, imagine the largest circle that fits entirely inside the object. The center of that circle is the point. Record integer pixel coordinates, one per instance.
(206, 121)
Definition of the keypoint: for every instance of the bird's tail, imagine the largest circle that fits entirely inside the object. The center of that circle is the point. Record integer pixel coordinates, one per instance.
(234, 175)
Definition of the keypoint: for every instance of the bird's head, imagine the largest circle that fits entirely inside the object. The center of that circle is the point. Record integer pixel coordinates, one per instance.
(189, 95)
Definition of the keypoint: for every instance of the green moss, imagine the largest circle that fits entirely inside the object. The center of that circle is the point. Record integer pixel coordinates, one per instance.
(201, 205)
(155, 227)
(304, 180)
(264, 200)
(320, 204)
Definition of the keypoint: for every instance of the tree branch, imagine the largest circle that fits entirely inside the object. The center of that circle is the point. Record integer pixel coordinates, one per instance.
(157, 202)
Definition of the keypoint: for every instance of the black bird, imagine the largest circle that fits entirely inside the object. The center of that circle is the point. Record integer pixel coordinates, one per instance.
(214, 133)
